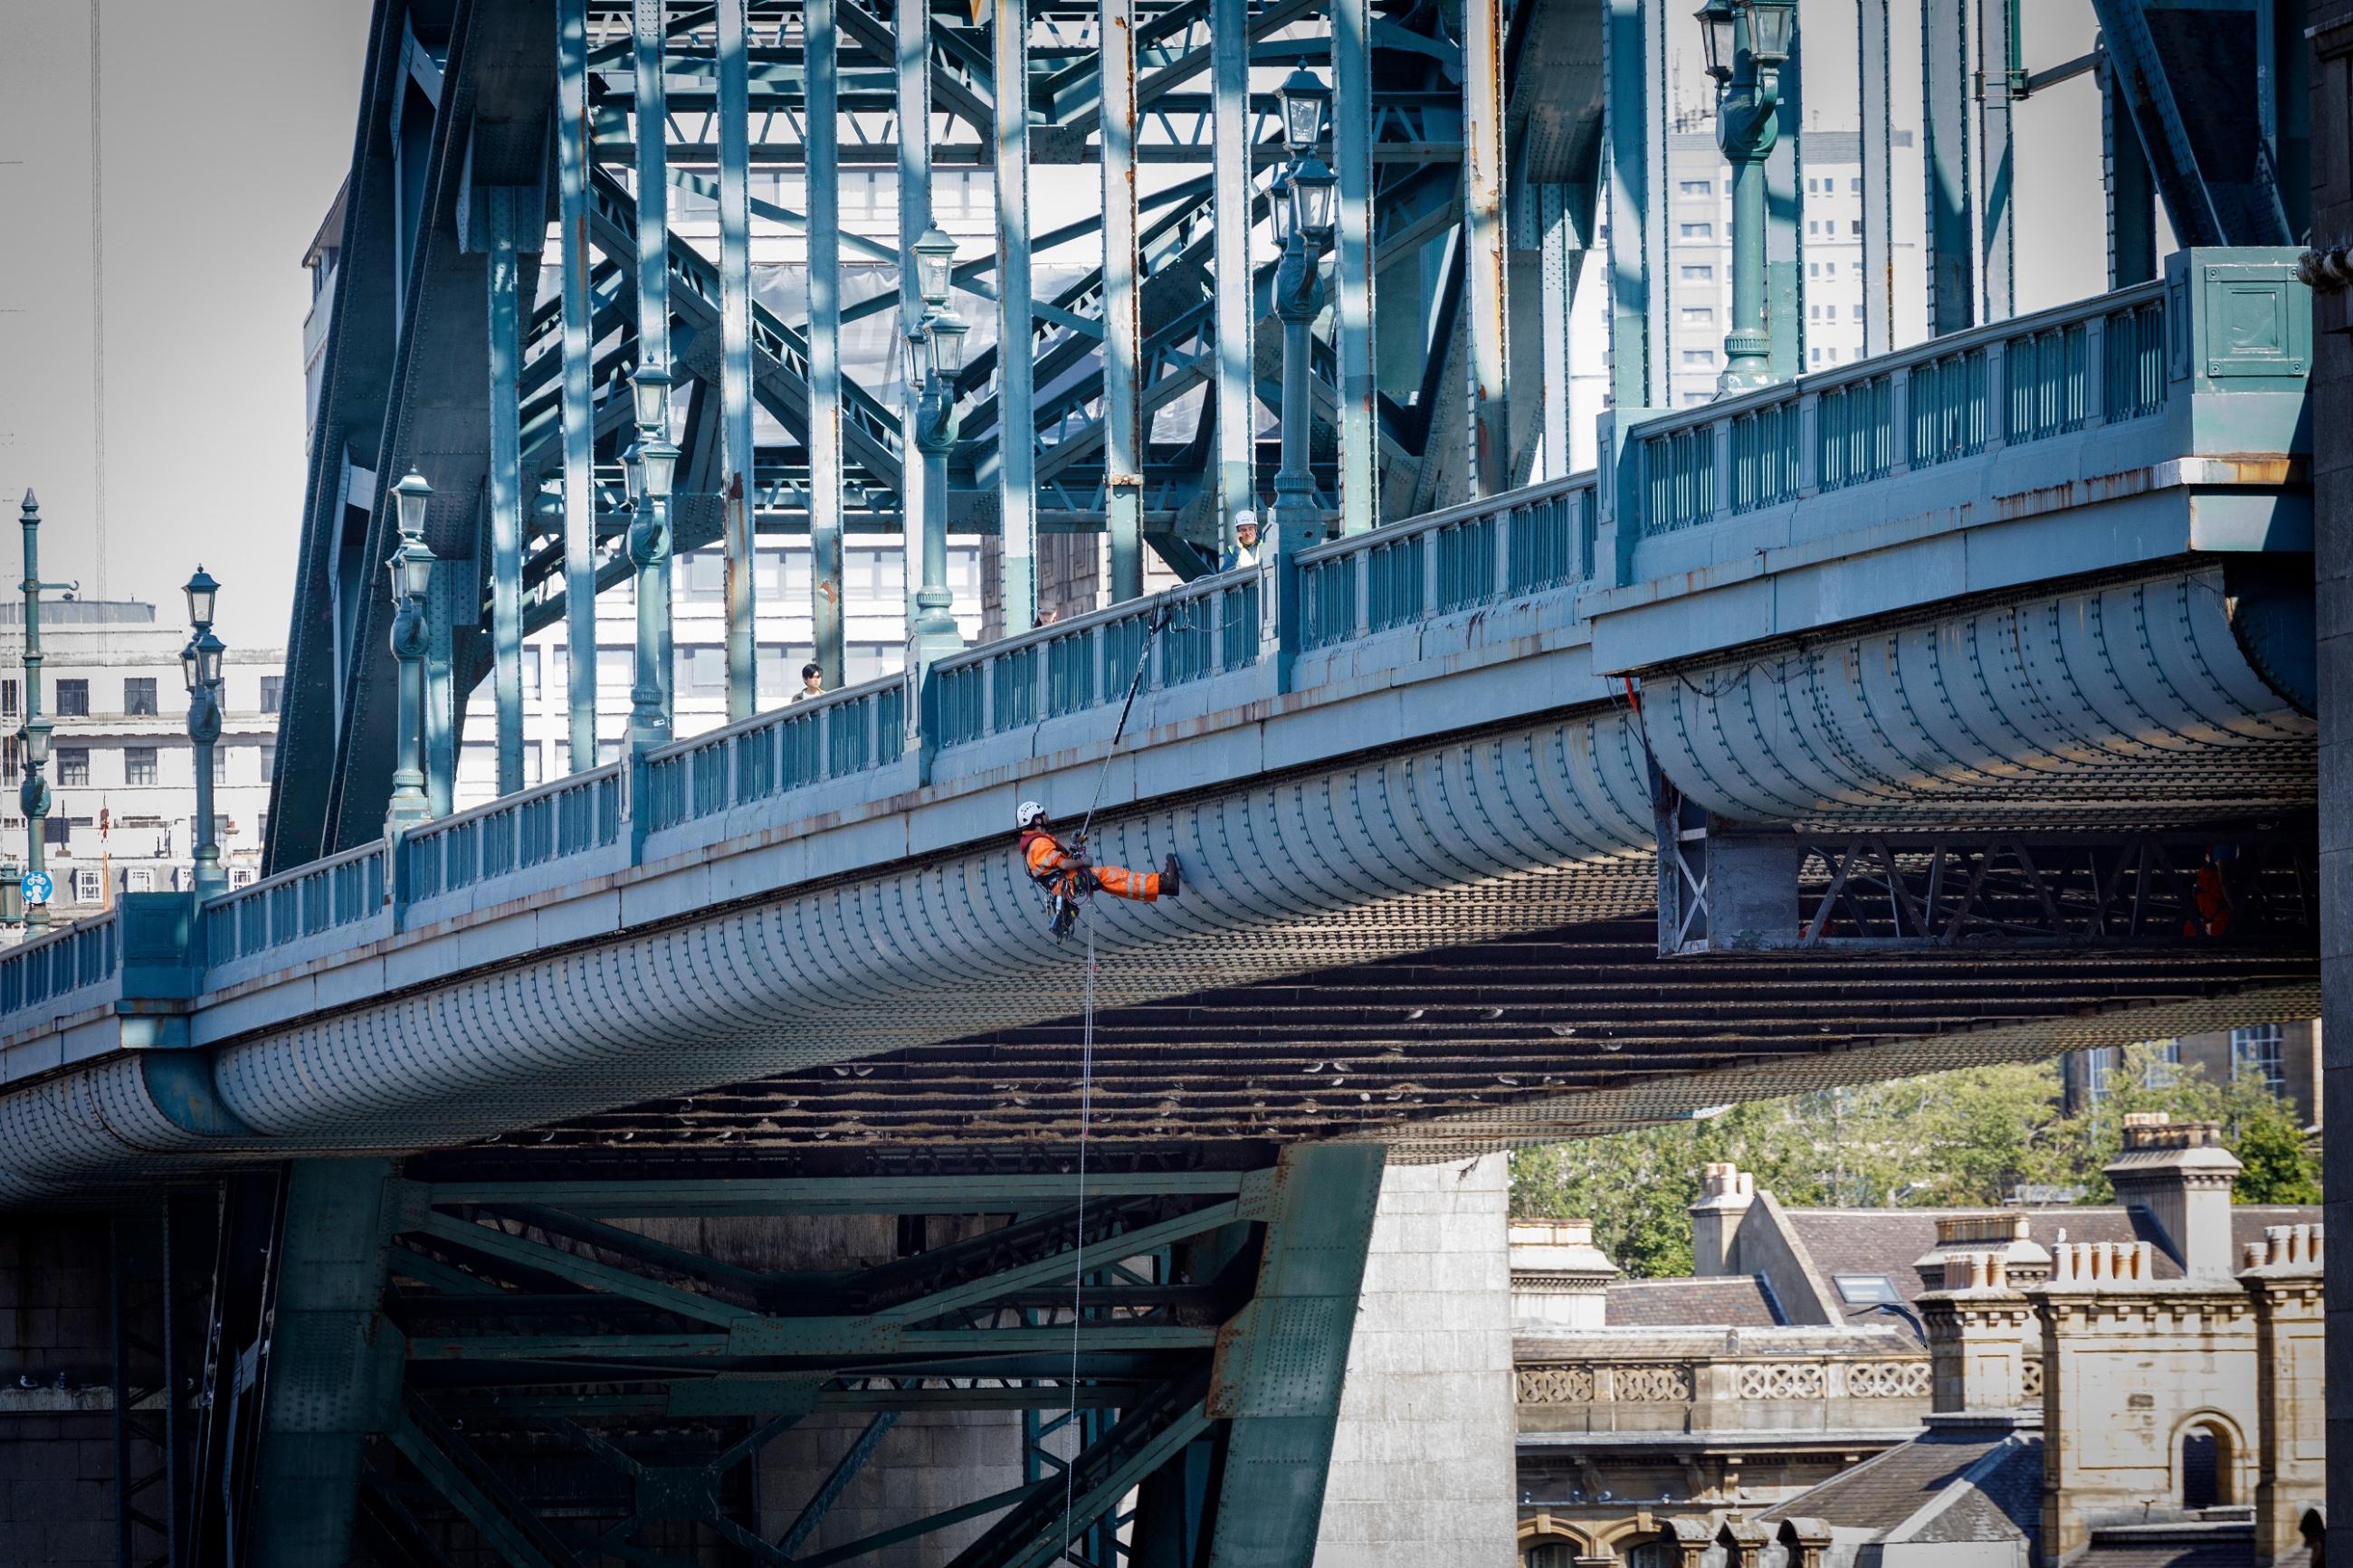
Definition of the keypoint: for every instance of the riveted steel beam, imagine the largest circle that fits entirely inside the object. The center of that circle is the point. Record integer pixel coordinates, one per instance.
(736, 459)
(1482, 245)
(1351, 264)
(1016, 473)
(578, 405)
(1122, 415)
(1280, 1362)
(912, 50)
(1947, 67)
(820, 47)
(505, 500)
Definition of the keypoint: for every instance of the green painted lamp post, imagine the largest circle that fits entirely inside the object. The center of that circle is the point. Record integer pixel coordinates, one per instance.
(934, 358)
(410, 567)
(1300, 205)
(200, 665)
(652, 465)
(1747, 42)
(33, 795)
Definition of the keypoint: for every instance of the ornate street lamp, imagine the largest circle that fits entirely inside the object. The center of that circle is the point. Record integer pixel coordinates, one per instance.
(937, 353)
(410, 569)
(652, 465)
(934, 267)
(200, 665)
(1747, 43)
(33, 795)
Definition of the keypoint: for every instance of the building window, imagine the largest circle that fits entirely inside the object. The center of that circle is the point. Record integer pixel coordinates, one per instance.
(138, 697)
(2257, 1053)
(1651, 1555)
(2099, 1072)
(530, 674)
(73, 764)
(1699, 356)
(1855, 184)
(530, 773)
(12, 760)
(240, 877)
(706, 578)
(11, 695)
(268, 761)
(139, 765)
(1696, 187)
(1550, 1554)
(1866, 1289)
(616, 670)
(141, 881)
(874, 574)
(706, 670)
(1698, 231)
(1699, 315)
(1698, 274)
(73, 698)
(1854, 227)
(220, 765)
(478, 764)
(2202, 1480)
(2164, 1063)
(273, 691)
(87, 890)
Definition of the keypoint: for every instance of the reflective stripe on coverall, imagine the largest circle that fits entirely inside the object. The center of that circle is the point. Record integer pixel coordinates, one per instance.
(1054, 868)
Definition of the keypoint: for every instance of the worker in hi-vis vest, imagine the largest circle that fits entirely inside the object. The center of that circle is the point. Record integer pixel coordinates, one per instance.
(1066, 876)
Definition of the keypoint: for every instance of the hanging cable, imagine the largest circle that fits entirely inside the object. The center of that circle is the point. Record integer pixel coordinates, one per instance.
(1079, 1266)
(1135, 684)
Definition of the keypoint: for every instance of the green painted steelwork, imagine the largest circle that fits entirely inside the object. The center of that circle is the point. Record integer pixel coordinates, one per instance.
(1280, 1360)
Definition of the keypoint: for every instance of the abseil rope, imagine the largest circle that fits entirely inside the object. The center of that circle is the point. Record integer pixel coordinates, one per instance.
(1079, 1267)
(1135, 684)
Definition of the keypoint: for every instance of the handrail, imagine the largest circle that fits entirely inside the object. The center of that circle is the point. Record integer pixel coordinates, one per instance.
(83, 954)
(1090, 660)
(575, 815)
(805, 743)
(338, 890)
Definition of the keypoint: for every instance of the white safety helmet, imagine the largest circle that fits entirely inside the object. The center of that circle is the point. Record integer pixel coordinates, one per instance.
(1027, 814)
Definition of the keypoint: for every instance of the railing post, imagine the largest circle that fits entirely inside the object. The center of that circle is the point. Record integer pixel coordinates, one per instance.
(1719, 450)
(1506, 519)
(1899, 420)
(1997, 394)
(1810, 444)
(2095, 370)
(634, 777)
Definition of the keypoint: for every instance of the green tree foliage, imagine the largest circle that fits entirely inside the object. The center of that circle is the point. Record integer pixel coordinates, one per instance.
(1947, 1140)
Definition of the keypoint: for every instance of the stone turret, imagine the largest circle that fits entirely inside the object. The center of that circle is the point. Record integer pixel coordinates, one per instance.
(2283, 1278)
(1978, 1324)
(2181, 1175)
(1725, 1193)
(1559, 1278)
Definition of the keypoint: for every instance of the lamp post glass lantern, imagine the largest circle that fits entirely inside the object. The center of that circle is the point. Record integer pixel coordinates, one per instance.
(1306, 102)
(649, 398)
(934, 267)
(1716, 25)
(1314, 190)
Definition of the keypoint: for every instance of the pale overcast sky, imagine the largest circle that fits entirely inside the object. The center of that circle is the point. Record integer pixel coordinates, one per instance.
(227, 129)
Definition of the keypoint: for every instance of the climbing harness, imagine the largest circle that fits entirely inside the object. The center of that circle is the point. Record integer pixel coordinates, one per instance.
(1064, 888)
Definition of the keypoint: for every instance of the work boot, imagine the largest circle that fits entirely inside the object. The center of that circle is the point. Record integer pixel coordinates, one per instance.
(1172, 878)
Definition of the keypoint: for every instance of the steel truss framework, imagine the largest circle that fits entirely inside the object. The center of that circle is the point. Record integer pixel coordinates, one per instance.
(496, 138)
(536, 1367)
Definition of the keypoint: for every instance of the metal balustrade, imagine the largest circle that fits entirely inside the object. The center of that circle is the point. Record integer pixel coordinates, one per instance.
(2097, 361)
(1482, 553)
(1068, 667)
(539, 826)
(48, 969)
(309, 900)
(829, 737)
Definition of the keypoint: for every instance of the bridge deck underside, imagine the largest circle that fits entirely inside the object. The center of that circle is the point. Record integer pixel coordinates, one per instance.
(1573, 1032)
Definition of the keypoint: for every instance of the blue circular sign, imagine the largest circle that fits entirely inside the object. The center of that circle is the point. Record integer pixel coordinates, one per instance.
(38, 886)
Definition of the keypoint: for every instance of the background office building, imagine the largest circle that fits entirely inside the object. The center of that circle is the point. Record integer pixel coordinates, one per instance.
(122, 772)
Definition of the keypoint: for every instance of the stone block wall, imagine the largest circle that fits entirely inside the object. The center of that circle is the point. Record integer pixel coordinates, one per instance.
(1422, 1463)
(57, 1444)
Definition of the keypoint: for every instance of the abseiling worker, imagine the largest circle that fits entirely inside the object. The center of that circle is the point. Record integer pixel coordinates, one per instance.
(1066, 876)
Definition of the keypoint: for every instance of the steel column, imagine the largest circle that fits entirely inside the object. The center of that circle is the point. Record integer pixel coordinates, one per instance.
(446, 603)
(1016, 419)
(651, 693)
(1785, 220)
(572, 157)
(1123, 327)
(1878, 174)
(1563, 243)
(1946, 62)
(1482, 244)
(1636, 352)
(735, 351)
(334, 1364)
(1352, 267)
(1280, 1360)
(505, 480)
(819, 46)
(1999, 74)
(2131, 189)
(1237, 405)
(911, 25)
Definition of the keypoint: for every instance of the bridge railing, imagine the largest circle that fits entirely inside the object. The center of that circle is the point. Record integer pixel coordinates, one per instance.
(539, 835)
(73, 967)
(1089, 662)
(1463, 558)
(323, 898)
(2095, 362)
(770, 754)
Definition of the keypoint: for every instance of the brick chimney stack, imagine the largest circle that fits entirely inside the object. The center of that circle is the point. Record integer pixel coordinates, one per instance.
(1725, 1193)
(2180, 1174)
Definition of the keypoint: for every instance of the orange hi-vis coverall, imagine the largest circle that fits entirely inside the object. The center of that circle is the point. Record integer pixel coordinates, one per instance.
(1059, 873)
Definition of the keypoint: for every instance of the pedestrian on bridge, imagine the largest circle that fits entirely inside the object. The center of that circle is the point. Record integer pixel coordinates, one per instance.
(1067, 876)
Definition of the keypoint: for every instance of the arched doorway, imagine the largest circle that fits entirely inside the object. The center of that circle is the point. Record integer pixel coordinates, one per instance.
(2206, 1459)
